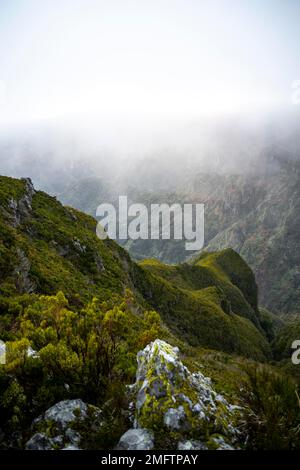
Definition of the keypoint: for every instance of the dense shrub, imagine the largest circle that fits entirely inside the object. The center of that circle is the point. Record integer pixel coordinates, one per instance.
(60, 353)
(272, 410)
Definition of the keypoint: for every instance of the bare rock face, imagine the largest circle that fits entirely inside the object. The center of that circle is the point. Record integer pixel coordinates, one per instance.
(21, 273)
(170, 400)
(20, 210)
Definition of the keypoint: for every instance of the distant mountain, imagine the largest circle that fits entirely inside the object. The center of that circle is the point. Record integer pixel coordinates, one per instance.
(265, 230)
(258, 215)
(86, 194)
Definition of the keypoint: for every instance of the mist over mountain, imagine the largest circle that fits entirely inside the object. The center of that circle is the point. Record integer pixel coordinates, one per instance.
(148, 156)
(246, 172)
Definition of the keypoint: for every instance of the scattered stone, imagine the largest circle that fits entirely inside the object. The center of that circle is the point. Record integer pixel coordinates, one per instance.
(136, 439)
(61, 427)
(65, 412)
(191, 445)
(79, 246)
(168, 403)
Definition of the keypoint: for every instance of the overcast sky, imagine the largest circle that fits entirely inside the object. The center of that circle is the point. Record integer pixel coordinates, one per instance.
(165, 59)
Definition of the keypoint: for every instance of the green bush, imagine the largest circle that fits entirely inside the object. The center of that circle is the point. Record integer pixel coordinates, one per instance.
(272, 410)
(89, 353)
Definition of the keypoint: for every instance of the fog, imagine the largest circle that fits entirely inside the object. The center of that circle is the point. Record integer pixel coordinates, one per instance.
(146, 93)
(153, 157)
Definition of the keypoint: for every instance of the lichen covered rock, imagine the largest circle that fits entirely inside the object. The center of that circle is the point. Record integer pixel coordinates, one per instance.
(136, 439)
(170, 400)
(20, 210)
(62, 426)
(39, 441)
(191, 445)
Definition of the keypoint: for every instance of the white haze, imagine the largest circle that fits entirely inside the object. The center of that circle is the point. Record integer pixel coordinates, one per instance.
(98, 87)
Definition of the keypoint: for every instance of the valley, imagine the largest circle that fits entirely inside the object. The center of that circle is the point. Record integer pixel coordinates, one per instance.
(256, 215)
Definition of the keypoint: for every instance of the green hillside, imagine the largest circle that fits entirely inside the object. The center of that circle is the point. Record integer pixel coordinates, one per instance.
(75, 311)
(203, 303)
(46, 247)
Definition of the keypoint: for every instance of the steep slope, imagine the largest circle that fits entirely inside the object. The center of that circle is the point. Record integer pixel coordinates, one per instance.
(268, 238)
(46, 247)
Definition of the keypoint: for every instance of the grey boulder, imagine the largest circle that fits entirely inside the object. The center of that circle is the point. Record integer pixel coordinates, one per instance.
(136, 439)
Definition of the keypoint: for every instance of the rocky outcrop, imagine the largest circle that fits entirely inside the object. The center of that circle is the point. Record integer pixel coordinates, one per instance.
(171, 401)
(21, 274)
(20, 210)
(76, 249)
(62, 427)
(171, 408)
